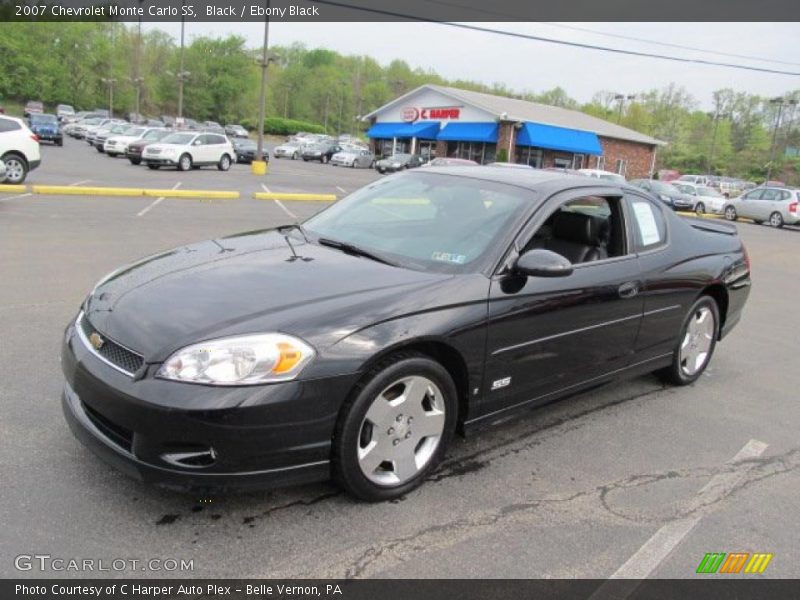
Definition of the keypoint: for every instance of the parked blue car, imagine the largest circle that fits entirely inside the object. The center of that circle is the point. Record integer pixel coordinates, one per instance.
(47, 127)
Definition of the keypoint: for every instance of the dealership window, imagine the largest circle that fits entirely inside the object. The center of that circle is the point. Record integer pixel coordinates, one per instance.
(622, 166)
(384, 147)
(525, 155)
(578, 161)
(562, 163)
(601, 163)
(480, 152)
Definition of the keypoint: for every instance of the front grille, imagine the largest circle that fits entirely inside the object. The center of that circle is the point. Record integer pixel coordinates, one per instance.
(116, 433)
(120, 357)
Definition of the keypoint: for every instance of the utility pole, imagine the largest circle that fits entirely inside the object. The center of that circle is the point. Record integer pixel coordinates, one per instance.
(137, 77)
(780, 102)
(327, 98)
(181, 73)
(262, 166)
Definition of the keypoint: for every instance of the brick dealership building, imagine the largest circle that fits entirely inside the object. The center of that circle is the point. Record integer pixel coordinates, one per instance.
(441, 121)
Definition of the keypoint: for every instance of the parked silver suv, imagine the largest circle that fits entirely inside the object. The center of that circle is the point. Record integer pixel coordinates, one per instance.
(776, 205)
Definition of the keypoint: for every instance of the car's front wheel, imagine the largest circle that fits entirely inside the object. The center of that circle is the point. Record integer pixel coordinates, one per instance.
(185, 163)
(16, 169)
(730, 213)
(696, 343)
(395, 428)
(700, 208)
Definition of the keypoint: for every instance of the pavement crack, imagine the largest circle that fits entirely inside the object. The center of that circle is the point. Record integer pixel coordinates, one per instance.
(249, 520)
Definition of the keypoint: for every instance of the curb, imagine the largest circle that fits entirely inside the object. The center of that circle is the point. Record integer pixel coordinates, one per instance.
(13, 189)
(297, 197)
(62, 190)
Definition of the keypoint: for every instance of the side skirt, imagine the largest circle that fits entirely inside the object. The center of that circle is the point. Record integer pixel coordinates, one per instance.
(502, 415)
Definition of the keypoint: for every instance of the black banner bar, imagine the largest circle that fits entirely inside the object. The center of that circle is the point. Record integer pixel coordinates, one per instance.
(393, 10)
(754, 588)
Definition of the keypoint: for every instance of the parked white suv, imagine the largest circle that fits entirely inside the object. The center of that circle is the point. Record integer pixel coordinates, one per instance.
(19, 149)
(188, 149)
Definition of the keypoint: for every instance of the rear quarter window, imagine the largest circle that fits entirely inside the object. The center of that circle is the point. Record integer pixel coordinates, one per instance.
(648, 224)
(9, 125)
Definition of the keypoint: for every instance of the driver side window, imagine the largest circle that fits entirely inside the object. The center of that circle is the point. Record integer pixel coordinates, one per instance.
(583, 230)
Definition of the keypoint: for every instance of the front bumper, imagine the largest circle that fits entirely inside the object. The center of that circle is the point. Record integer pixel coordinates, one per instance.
(165, 162)
(49, 137)
(235, 437)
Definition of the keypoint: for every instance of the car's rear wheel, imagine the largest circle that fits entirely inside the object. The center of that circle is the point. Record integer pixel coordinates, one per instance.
(395, 428)
(700, 208)
(696, 343)
(16, 169)
(185, 162)
(100, 149)
(224, 163)
(776, 220)
(730, 213)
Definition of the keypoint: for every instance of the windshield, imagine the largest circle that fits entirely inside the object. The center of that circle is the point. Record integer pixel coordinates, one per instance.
(44, 119)
(135, 131)
(178, 138)
(707, 191)
(431, 222)
(664, 188)
(154, 134)
(686, 189)
(399, 157)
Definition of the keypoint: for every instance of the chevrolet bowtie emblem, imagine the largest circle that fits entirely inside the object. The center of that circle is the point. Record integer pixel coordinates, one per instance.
(96, 341)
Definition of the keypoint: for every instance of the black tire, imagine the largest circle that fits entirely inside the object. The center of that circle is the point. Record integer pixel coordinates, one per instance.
(776, 220)
(60, 143)
(758, 222)
(154, 167)
(730, 213)
(700, 208)
(16, 168)
(135, 161)
(112, 154)
(99, 149)
(347, 435)
(224, 163)
(185, 163)
(675, 373)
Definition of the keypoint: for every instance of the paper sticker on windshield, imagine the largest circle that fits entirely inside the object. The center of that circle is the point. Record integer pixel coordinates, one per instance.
(458, 259)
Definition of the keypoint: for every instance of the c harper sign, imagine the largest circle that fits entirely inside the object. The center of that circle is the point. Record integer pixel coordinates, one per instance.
(412, 113)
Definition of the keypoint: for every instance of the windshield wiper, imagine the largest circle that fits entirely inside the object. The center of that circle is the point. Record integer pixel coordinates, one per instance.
(354, 250)
(297, 226)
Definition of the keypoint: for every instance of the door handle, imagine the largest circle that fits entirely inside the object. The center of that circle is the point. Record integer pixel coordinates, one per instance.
(628, 289)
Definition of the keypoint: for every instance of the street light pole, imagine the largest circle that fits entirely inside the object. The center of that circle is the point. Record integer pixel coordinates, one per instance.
(710, 161)
(263, 94)
(779, 102)
(110, 81)
(181, 72)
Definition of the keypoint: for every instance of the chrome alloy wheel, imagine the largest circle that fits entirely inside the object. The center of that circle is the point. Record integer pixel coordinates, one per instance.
(697, 342)
(401, 431)
(15, 170)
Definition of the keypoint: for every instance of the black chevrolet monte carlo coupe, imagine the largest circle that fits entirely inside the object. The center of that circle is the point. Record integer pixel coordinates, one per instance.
(354, 345)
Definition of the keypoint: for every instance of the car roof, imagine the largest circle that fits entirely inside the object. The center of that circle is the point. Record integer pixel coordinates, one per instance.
(525, 178)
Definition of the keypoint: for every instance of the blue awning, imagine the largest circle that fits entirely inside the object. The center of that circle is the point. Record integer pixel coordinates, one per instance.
(426, 130)
(469, 132)
(559, 138)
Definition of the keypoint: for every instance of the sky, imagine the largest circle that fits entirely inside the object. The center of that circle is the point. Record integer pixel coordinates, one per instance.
(526, 65)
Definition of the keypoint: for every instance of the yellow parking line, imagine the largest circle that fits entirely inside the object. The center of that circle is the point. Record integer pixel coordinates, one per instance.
(63, 190)
(700, 216)
(297, 197)
(210, 194)
(13, 189)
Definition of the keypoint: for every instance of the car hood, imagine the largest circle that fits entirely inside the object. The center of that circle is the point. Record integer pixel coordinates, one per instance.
(123, 138)
(50, 127)
(249, 283)
(287, 148)
(162, 147)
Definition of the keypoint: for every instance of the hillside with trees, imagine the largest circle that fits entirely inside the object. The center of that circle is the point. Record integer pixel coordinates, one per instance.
(68, 63)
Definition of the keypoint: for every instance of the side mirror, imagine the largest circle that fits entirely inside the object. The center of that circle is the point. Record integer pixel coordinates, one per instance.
(543, 263)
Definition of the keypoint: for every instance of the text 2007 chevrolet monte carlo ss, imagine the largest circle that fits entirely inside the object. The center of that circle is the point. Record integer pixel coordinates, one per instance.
(354, 345)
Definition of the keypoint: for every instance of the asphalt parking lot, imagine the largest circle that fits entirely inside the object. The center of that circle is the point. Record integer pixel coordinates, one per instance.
(579, 488)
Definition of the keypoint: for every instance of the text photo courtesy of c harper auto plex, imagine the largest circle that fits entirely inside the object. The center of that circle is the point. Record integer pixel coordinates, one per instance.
(358, 299)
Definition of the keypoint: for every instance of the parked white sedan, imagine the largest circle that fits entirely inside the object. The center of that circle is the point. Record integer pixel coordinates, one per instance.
(706, 199)
(187, 149)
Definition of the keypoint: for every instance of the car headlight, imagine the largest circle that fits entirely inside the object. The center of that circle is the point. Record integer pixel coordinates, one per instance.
(665, 198)
(240, 360)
